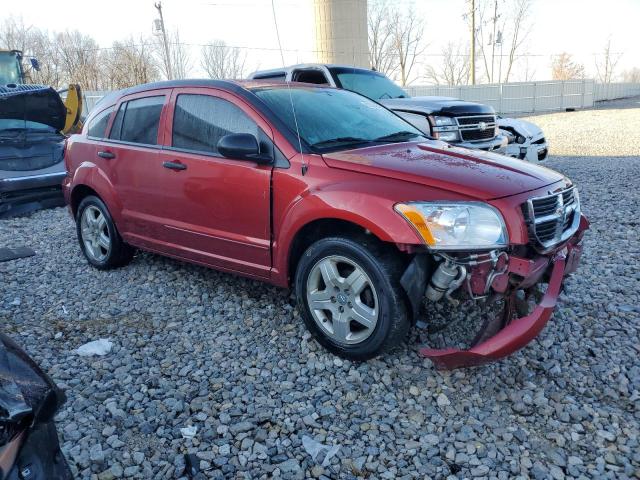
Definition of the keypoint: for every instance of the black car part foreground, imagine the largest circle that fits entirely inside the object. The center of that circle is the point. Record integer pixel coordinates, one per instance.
(29, 447)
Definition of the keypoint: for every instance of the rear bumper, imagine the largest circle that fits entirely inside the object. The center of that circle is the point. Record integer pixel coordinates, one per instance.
(519, 332)
(24, 194)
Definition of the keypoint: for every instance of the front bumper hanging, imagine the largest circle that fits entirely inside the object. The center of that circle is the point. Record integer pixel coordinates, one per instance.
(519, 332)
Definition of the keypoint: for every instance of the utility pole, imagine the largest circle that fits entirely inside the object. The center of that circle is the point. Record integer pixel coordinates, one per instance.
(473, 42)
(493, 37)
(165, 42)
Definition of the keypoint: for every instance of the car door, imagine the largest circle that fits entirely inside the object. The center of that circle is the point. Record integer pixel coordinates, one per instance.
(130, 158)
(217, 209)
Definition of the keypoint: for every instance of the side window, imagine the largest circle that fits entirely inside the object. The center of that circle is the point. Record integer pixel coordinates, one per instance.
(310, 76)
(137, 121)
(98, 125)
(200, 121)
(116, 127)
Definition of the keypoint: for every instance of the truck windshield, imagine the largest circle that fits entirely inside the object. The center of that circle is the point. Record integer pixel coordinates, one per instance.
(371, 84)
(9, 68)
(331, 119)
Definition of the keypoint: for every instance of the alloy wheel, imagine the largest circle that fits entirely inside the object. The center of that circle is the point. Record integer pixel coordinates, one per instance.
(342, 300)
(95, 234)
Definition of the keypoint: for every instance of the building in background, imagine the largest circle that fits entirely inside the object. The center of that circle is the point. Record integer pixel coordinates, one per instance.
(341, 32)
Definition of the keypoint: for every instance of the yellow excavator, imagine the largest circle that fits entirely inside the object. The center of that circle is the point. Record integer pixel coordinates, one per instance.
(12, 72)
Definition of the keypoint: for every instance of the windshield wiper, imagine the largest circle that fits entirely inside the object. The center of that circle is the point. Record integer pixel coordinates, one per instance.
(397, 136)
(339, 140)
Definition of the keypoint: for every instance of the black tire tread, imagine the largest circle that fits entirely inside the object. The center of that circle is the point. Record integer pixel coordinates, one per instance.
(391, 264)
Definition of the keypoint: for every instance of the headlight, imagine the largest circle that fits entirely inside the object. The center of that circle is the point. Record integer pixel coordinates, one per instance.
(445, 129)
(456, 225)
(446, 136)
(443, 121)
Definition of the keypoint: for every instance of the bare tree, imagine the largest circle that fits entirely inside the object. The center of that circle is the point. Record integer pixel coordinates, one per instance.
(222, 61)
(128, 62)
(407, 33)
(381, 55)
(500, 28)
(179, 64)
(632, 75)
(563, 67)
(33, 42)
(79, 59)
(455, 68)
(607, 63)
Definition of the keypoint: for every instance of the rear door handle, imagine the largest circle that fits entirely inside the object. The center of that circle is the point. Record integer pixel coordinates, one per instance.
(174, 165)
(106, 155)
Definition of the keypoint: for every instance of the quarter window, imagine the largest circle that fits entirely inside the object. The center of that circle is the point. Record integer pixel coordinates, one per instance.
(98, 125)
(137, 121)
(200, 121)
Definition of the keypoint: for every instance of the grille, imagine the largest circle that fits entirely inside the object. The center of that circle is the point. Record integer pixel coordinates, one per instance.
(478, 134)
(553, 218)
(470, 127)
(475, 120)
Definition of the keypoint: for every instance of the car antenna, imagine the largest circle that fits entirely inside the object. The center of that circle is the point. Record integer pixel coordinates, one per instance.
(305, 166)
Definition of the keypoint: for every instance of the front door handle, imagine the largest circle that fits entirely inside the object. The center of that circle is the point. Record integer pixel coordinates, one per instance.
(106, 155)
(174, 165)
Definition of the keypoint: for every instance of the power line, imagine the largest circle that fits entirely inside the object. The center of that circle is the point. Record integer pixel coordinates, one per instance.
(299, 50)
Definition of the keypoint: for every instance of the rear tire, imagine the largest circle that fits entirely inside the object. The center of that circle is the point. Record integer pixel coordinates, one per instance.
(98, 236)
(349, 294)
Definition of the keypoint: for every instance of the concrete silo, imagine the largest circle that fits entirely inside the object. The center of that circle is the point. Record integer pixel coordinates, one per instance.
(341, 32)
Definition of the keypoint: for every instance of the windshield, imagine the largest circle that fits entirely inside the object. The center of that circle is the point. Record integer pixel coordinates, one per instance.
(368, 83)
(9, 69)
(331, 119)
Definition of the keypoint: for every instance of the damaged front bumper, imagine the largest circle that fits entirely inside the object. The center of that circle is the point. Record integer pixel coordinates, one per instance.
(517, 273)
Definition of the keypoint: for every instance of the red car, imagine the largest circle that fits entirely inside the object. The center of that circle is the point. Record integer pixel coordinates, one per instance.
(328, 192)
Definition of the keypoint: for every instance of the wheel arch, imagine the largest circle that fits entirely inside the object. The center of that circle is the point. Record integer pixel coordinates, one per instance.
(318, 229)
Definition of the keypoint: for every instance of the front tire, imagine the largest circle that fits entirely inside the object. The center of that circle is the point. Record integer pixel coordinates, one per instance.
(98, 236)
(349, 293)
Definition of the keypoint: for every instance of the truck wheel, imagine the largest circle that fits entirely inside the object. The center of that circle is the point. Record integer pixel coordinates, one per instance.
(99, 239)
(349, 293)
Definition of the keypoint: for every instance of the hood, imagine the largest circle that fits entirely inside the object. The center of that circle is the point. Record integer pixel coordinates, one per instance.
(522, 127)
(438, 105)
(36, 103)
(474, 173)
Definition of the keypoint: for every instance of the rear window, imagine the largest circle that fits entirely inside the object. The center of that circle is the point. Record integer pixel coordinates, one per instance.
(200, 121)
(137, 121)
(98, 125)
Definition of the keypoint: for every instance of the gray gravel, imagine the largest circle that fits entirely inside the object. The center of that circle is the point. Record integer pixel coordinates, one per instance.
(231, 357)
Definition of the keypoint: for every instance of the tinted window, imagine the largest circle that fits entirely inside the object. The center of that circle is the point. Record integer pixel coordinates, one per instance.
(200, 121)
(116, 128)
(137, 121)
(310, 76)
(98, 125)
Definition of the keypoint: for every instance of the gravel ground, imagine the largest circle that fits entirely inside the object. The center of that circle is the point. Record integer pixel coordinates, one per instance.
(193, 347)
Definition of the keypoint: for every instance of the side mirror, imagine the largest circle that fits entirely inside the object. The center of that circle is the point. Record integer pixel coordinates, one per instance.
(35, 64)
(242, 146)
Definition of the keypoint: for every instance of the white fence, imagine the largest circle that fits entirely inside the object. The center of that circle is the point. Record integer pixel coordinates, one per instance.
(531, 97)
(612, 91)
(525, 97)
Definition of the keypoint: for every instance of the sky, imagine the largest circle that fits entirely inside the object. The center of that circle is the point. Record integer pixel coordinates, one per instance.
(580, 27)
